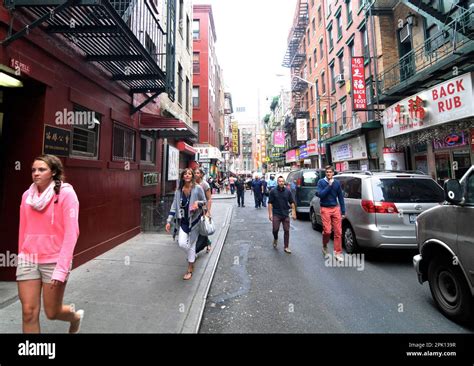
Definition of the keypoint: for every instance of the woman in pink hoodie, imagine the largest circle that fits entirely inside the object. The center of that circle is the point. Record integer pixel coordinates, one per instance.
(49, 230)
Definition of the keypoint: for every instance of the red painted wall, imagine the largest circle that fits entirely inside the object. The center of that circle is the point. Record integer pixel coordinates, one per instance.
(109, 195)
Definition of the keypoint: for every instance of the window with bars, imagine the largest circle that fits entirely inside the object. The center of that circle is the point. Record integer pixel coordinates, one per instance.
(123, 143)
(196, 101)
(196, 63)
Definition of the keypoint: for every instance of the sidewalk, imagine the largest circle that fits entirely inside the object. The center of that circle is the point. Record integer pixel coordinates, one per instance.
(136, 287)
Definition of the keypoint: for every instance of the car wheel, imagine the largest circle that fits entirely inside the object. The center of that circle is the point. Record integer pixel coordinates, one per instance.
(450, 290)
(314, 222)
(349, 239)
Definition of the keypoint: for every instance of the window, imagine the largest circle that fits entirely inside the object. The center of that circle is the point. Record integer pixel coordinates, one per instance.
(317, 88)
(180, 84)
(310, 64)
(331, 42)
(328, 8)
(196, 101)
(334, 120)
(181, 17)
(151, 47)
(343, 115)
(320, 15)
(368, 91)
(333, 78)
(341, 64)
(352, 187)
(147, 149)
(365, 42)
(349, 11)
(124, 143)
(339, 26)
(196, 127)
(311, 94)
(196, 63)
(321, 50)
(315, 58)
(323, 83)
(308, 37)
(408, 190)
(351, 49)
(196, 29)
(188, 91)
(188, 43)
(312, 3)
(85, 136)
(313, 25)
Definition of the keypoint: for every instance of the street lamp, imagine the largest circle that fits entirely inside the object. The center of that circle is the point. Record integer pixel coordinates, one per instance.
(316, 100)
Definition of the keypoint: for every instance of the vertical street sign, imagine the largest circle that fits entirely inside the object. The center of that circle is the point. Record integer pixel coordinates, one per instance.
(359, 97)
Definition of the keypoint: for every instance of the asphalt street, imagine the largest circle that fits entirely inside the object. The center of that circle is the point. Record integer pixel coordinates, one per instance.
(257, 289)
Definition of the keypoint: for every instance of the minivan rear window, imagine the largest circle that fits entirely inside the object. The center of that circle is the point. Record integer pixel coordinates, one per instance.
(408, 190)
(310, 178)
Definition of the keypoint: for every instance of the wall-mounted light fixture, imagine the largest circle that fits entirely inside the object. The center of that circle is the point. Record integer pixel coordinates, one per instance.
(8, 78)
(411, 19)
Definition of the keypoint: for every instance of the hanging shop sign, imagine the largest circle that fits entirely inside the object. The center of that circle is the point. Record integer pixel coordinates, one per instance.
(352, 149)
(235, 138)
(359, 97)
(303, 152)
(56, 141)
(453, 140)
(279, 138)
(312, 147)
(301, 129)
(445, 102)
(173, 163)
(290, 156)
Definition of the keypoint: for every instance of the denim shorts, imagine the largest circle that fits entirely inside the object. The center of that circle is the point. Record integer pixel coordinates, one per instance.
(35, 271)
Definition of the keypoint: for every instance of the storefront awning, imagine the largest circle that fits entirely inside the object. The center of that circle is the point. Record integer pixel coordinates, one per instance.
(372, 125)
(166, 127)
(185, 148)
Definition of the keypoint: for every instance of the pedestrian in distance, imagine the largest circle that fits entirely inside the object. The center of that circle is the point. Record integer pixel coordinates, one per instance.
(272, 183)
(232, 181)
(240, 186)
(264, 191)
(203, 241)
(49, 228)
(330, 192)
(257, 191)
(186, 211)
(278, 212)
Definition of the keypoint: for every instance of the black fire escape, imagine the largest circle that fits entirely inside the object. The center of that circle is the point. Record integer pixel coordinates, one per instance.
(295, 59)
(123, 36)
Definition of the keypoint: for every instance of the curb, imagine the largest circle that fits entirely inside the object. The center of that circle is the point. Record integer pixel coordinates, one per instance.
(192, 323)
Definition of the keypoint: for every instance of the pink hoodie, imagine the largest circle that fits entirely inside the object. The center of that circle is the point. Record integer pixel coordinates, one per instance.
(49, 236)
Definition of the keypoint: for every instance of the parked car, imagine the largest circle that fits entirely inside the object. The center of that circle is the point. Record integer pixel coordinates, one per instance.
(445, 236)
(381, 208)
(302, 184)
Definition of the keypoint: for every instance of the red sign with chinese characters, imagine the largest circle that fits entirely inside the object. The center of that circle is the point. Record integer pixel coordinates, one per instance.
(359, 97)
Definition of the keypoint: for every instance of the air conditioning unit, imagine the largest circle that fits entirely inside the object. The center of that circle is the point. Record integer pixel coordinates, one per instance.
(405, 33)
(340, 78)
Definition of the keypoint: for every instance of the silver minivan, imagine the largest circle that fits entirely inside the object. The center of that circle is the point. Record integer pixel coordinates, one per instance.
(382, 208)
(446, 244)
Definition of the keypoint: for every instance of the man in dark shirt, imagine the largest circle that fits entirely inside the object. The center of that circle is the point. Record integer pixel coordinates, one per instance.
(278, 212)
(240, 185)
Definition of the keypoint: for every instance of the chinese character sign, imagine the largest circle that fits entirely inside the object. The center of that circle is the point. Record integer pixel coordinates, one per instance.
(359, 97)
(301, 129)
(279, 139)
(235, 139)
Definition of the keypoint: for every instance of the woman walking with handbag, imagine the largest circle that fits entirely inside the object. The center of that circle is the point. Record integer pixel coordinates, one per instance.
(49, 229)
(186, 211)
(203, 241)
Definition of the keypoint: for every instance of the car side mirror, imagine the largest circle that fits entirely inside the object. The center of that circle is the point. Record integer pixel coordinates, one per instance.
(453, 192)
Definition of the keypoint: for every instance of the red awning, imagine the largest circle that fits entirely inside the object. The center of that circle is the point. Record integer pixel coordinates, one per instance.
(185, 148)
(166, 127)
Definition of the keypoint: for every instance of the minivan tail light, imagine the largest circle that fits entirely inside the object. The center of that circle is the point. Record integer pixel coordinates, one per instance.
(379, 207)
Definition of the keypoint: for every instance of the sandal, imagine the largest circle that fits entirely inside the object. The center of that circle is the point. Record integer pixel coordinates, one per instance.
(188, 276)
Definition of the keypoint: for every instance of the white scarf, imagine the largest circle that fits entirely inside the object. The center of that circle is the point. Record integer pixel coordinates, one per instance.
(40, 202)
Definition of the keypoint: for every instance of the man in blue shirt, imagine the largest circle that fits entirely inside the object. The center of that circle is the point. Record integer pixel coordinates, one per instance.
(330, 192)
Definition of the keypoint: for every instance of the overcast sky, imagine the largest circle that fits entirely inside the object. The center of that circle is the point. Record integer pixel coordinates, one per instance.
(251, 44)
